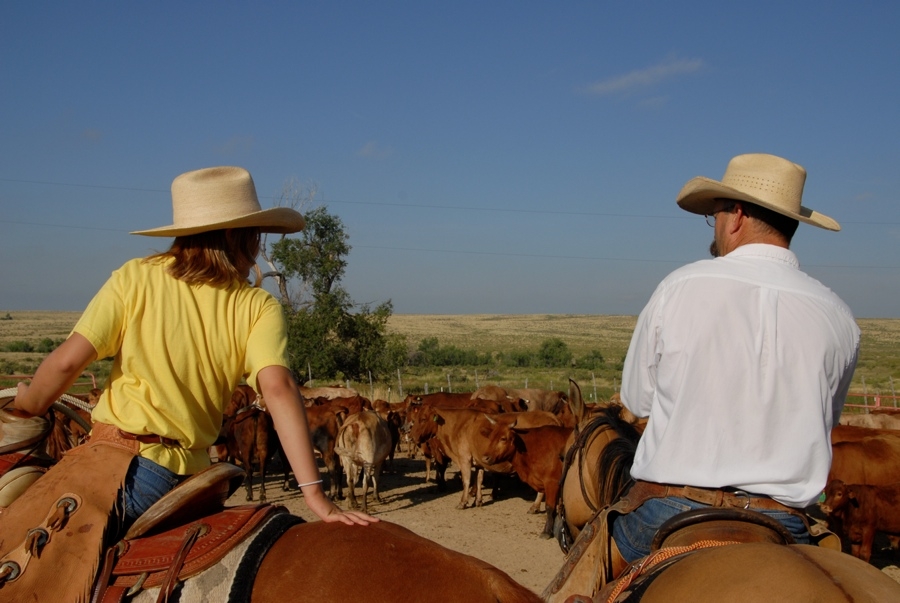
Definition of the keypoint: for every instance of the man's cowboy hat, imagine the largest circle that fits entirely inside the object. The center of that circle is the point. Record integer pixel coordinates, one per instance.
(221, 197)
(764, 180)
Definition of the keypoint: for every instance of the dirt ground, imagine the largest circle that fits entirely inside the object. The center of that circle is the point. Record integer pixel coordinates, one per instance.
(501, 532)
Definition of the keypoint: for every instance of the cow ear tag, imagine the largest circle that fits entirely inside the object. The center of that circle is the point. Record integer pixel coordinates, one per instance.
(821, 498)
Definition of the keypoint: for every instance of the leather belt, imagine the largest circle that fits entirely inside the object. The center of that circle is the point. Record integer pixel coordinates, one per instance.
(149, 439)
(708, 496)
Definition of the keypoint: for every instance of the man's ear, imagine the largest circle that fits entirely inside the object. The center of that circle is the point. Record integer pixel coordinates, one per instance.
(740, 218)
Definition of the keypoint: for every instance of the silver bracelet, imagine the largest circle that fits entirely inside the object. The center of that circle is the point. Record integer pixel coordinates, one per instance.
(318, 481)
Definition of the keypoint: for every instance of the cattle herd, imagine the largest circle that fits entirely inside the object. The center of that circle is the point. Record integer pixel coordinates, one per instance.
(524, 432)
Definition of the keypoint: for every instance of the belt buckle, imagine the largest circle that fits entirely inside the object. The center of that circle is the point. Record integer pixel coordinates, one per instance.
(746, 495)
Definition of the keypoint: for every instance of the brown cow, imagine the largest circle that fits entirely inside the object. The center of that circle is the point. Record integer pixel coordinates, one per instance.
(324, 424)
(363, 443)
(395, 420)
(422, 429)
(250, 437)
(450, 400)
(463, 434)
(861, 511)
(522, 399)
(853, 433)
(536, 455)
(352, 404)
(872, 460)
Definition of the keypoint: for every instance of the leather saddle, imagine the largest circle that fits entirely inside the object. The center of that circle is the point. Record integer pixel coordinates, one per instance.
(727, 524)
(687, 533)
(184, 532)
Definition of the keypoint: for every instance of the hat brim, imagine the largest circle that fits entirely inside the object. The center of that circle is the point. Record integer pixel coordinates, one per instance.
(279, 220)
(699, 196)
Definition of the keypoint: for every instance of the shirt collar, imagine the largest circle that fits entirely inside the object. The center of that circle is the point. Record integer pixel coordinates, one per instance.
(767, 252)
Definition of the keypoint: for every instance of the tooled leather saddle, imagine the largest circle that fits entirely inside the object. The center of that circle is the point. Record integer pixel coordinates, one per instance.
(184, 533)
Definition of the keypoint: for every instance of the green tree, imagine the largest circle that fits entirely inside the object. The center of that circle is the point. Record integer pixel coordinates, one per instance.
(554, 353)
(329, 334)
(318, 257)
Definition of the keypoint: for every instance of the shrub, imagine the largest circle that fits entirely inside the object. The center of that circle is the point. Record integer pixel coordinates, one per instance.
(554, 353)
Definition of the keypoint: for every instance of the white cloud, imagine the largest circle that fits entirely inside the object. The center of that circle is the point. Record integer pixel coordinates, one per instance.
(645, 78)
(372, 150)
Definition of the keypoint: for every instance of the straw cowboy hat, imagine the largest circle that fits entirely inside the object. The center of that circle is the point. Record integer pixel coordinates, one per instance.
(764, 180)
(221, 197)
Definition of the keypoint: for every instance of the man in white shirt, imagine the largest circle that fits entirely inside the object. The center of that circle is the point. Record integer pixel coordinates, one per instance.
(742, 363)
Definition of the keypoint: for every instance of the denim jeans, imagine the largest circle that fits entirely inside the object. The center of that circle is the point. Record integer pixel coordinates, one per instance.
(634, 532)
(145, 483)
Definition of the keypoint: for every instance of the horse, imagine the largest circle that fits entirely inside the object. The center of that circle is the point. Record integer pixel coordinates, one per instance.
(279, 557)
(704, 555)
(590, 479)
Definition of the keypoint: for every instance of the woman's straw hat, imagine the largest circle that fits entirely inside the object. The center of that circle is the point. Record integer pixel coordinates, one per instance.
(764, 180)
(221, 197)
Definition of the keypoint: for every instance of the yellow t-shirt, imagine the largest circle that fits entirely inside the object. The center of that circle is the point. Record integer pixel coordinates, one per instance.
(178, 351)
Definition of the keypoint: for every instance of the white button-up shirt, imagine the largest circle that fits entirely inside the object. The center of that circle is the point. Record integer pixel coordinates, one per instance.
(742, 364)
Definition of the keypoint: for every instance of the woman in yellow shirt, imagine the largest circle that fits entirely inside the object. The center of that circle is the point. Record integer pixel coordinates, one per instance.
(184, 328)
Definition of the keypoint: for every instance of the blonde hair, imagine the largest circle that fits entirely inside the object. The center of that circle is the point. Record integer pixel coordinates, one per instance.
(217, 257)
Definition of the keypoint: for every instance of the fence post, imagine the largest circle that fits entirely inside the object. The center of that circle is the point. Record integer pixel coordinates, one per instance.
(400, 384)
(865, 393)
(309, 372)
(371, 387)
(426, 387)
(594, 381)
(449, 385)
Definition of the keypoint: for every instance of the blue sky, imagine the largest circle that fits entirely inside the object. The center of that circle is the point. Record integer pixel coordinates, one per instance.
(485, 157)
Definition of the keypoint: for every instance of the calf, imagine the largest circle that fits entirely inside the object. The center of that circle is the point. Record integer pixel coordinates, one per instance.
(536, 455)
(363, 443)
(861, 511)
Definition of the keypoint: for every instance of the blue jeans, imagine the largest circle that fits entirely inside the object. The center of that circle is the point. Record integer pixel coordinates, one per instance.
(634, 532)
(145, 483)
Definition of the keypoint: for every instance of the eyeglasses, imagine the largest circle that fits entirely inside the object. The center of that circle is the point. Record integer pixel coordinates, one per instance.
(711, 217)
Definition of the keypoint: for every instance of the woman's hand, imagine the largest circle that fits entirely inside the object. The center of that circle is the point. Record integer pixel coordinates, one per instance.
(329, 512)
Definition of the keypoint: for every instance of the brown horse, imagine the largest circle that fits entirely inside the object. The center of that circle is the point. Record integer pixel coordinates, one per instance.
(707, 569)
(590, 480)
(310, 562)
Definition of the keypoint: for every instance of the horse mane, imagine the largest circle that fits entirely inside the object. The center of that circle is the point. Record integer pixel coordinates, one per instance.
(617, 456)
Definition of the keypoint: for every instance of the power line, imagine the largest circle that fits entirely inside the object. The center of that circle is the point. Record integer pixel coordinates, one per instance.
(428, 206)
(577, 257)
(465, 252)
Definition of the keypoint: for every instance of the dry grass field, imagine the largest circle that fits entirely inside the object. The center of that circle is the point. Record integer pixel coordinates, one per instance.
(878, 365)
